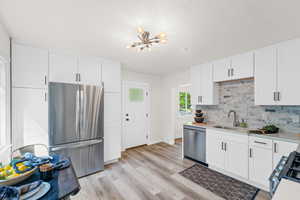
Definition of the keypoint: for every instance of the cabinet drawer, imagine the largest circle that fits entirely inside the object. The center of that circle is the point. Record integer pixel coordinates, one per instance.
(260, 142)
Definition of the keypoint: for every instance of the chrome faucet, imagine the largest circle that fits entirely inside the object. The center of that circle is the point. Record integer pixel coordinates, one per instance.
(235, 121)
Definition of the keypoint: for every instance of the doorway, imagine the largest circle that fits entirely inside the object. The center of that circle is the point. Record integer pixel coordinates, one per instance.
(136, 116)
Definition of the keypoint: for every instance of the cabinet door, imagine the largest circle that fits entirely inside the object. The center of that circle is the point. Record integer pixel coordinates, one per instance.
(242, 66)
(89, 69)
(112, 142)
(195, 84)
(265, 75)
(111, 76)
(236, 158)
(288, 72)
(29, 116)
(221, 70)
(282, 148)
(112, 126)
(207, 86)
(29, 67)
(62, 68)
(215, 155)
(260, 165)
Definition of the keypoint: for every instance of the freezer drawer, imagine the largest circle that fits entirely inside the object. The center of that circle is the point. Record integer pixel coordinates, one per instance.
(87, 157)
(195, 144)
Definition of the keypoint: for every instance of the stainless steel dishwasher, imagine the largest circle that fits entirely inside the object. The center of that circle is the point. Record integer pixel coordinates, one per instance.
(194, 141)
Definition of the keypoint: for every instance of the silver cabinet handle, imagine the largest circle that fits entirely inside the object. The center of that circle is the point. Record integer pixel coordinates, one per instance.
(228, 72)
(45, 80)
(250, 153)
(222, 146)
(79, 77)
(225, 146)
(275, 148)
(232, 73)
(201, 99)
(257, 142)
(45, 96)
(278, 96)
(76, 77)
(274, 96)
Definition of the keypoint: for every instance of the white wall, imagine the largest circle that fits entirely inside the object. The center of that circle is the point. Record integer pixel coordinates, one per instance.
(4, 43)
(155, 101)
(170, 84)
(5, 56)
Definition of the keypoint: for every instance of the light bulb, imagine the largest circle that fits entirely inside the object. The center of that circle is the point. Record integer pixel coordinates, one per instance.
(163, 41)
(140, 30)
(162, 35)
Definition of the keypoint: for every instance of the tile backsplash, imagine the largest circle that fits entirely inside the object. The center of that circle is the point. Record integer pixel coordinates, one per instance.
(239, 96)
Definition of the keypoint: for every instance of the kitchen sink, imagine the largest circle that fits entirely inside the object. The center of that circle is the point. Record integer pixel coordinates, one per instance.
(224, 127)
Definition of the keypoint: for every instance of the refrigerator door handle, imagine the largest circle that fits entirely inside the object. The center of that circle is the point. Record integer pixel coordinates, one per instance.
(77, 116)
(77, 145)
(82, 110)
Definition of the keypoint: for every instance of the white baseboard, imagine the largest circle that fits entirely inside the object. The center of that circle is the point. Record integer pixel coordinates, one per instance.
(111, 161)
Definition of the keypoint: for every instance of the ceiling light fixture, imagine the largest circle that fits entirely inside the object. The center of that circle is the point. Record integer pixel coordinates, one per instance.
(146, 41)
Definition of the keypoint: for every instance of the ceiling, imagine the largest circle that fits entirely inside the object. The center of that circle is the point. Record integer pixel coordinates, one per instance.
(198, 30)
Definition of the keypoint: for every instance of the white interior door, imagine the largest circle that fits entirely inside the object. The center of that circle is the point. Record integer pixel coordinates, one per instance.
(136, 114)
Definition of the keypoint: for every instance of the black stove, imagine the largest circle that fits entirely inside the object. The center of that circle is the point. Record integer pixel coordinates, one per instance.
(293, 172)
(288, 168)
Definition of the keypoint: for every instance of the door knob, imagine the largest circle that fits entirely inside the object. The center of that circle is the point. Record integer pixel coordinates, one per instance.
(127, 119)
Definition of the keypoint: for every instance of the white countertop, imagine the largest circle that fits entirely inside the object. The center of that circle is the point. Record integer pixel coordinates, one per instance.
(287, 190)
(283, 136)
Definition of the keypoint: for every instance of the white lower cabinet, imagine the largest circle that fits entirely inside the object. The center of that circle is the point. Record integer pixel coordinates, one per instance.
(236, 158)
(249, 157)
(215, 154)
(228, 152)
(260, 160)
(282, 148)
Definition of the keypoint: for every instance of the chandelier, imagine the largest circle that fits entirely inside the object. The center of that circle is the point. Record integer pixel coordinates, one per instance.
(146, 41)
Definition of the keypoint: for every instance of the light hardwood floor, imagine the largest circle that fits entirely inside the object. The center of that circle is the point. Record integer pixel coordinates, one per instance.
(148, 172)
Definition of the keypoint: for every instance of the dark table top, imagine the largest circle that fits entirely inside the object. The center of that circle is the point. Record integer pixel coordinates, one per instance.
(63, 184)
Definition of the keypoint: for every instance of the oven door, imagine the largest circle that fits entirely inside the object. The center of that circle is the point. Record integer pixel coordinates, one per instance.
(277, 175)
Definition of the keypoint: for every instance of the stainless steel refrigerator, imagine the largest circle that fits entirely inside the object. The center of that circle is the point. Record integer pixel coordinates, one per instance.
(76, 125)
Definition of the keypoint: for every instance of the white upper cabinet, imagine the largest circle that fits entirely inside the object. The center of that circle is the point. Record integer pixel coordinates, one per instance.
(63, 68)
(204, 90)
(276, 74)
(235, 67)
(288, 72)
(242, 66)
(222, 70)
(266, 76)
(29, 116)
(89, 70)
(195, 84)
(29, 67)
(111, 76)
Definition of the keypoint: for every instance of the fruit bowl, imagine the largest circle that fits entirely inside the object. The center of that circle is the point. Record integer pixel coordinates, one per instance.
(17, 179)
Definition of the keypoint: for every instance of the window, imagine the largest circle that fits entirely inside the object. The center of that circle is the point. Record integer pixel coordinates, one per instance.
(185, 106)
